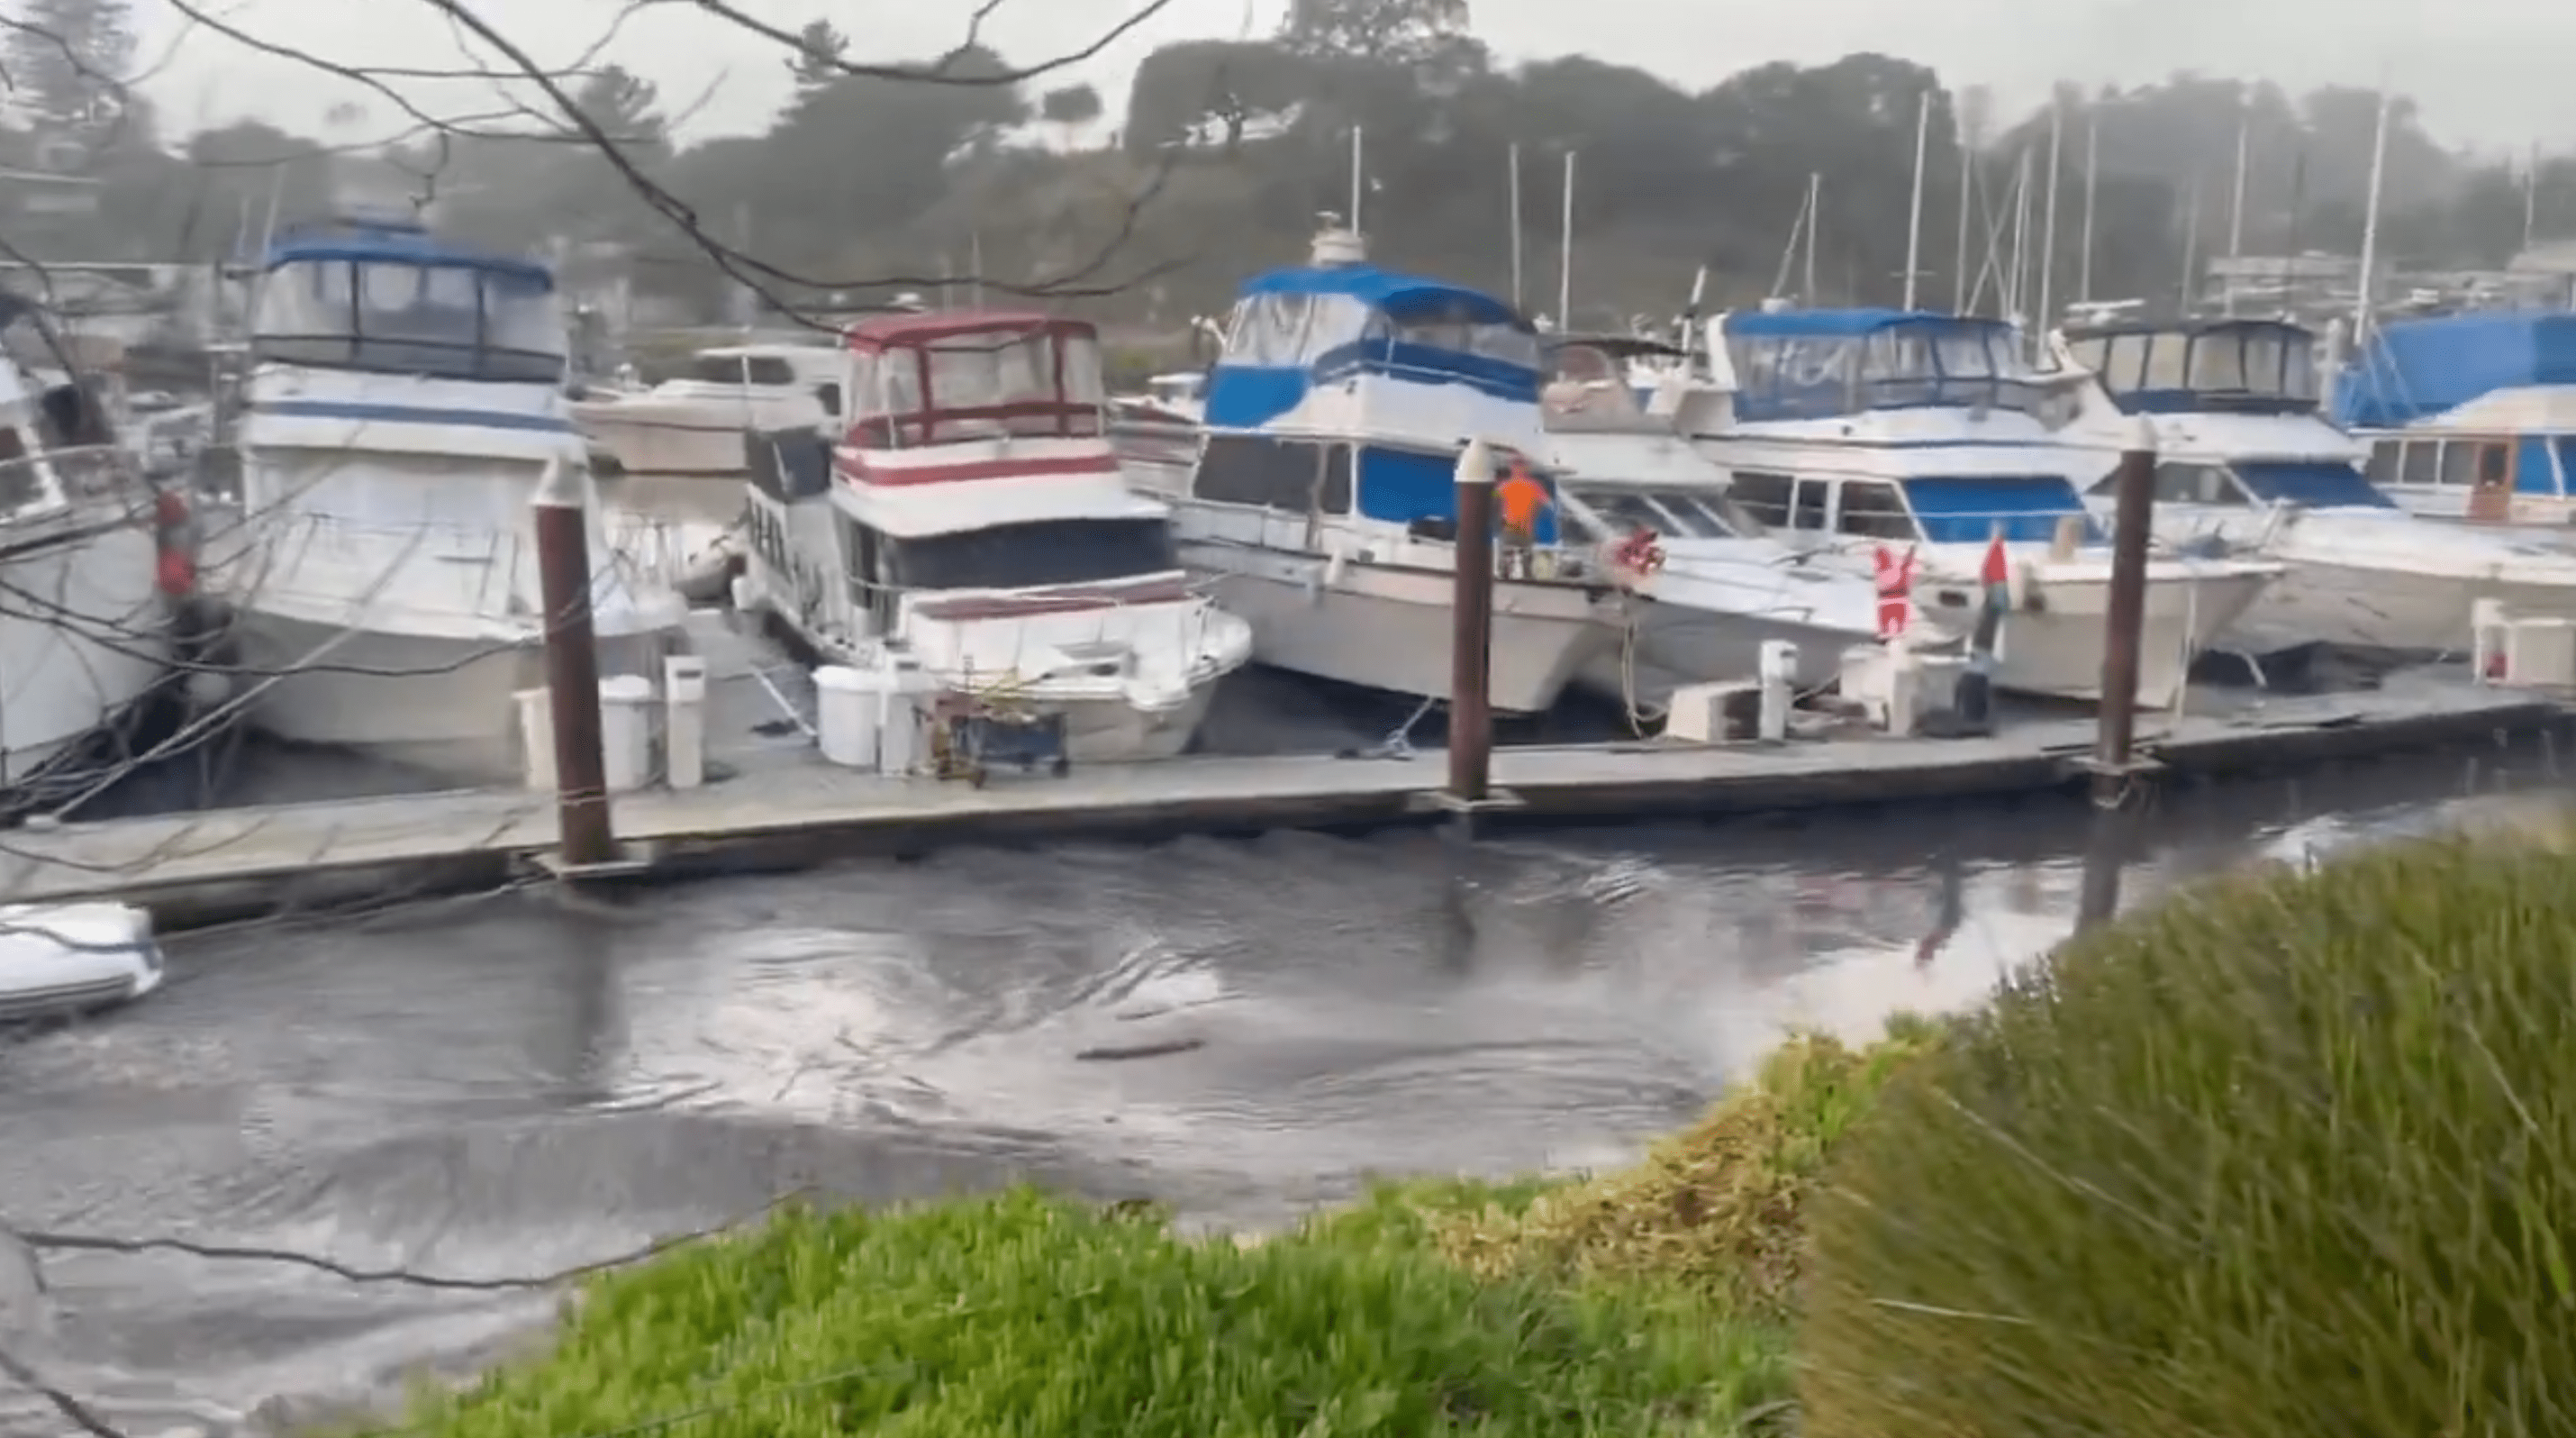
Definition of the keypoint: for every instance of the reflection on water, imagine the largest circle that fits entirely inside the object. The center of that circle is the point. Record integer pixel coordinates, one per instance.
(512, 1087)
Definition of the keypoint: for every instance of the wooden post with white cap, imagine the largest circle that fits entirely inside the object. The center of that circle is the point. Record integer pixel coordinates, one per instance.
(572, 669)
(1471, 714)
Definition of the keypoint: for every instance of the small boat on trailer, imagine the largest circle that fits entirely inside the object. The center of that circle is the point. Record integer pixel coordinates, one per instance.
(967, 520)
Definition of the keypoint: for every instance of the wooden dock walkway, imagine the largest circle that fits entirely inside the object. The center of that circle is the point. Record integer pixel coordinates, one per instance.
(801, 811)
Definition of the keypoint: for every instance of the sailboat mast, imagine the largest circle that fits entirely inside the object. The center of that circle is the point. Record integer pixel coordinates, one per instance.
(1359, 176)
(2048, 226)
(2370, 227)
(1967, 212)
(1914, 218)
(2531, 196)
(1815, 193)
(2092, 188)
(1565, 252)
(1518, 268)
(2236, 206)
(2190, 249)
(2017, 271)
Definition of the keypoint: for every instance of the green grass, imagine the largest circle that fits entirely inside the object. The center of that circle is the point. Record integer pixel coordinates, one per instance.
(1537, 1306)
(2293, 1156)
(1022, 1314)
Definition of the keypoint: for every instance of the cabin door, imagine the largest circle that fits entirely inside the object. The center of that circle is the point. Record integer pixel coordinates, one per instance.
(2491, 487)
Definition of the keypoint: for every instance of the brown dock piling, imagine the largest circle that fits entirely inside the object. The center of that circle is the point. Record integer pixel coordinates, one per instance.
(1471, 714)
(2123, 625)
(572, 669)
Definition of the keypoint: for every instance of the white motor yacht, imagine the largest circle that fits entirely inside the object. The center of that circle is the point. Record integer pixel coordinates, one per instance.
(404, 405)
(1717, 588)
(693, 425)
(1911, 442)
(2246, 460)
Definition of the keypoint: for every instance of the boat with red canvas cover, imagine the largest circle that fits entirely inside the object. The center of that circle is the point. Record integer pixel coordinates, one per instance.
(967, 516)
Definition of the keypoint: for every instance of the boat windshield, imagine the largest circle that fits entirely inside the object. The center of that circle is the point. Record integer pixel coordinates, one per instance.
(2023, 508)
(2259, 367)
(1036, 553)
(741, 369)
(1023, 382)
(2316, 483)
(441, 320)
(1674, 514)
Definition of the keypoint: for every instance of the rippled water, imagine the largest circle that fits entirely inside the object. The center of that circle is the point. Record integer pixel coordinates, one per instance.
(508, 1087)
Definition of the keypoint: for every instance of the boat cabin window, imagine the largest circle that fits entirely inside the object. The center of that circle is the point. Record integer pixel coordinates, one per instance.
(2263, 366)
(1256, 470)
(717, 369)
(441, 320)
(1874, 510)
(1971, 509)
(2384, 459)
(1027, 555)
(1452, 324)
(2183, 482)
(2423, 461)
(769, 370)
(1041, 382)
(1764, 497)
(1818, 366)
(1293, 331)
(827, 397)
(1808, 512)
(2318, 484)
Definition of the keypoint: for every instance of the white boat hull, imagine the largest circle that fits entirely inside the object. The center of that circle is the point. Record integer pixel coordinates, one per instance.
(2056, 651)
(1112, 731)
(1676, 645)
(445, 706)
(2378, 607)
(83, 638)
(1390, 629)
(672, 446)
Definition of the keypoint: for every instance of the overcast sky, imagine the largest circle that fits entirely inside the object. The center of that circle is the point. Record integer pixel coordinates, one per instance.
(2489, 72)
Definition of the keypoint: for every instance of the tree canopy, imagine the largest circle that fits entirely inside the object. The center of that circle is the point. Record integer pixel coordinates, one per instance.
(1227, 150)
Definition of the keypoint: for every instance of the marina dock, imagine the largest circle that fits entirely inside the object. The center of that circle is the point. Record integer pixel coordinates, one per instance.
(781, 806)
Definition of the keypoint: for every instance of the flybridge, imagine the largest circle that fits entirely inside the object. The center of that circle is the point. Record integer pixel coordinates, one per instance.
(925, 381)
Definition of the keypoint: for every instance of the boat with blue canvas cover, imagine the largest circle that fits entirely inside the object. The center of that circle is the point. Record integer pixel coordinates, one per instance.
(2246, 459)
(405, 400)
(2468, 416)
(1863, 433)
(1322, 501)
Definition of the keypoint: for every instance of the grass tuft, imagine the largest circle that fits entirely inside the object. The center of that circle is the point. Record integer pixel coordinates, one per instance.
(1715, 1208)
(2291, 1156)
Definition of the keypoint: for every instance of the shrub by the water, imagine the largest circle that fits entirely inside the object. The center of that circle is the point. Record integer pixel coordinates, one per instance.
(2290, 1157)
(1715, 1207)
(1020, 1314)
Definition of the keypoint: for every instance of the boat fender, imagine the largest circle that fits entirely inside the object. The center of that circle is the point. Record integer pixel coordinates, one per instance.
(175, 559)
(1335, 570)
